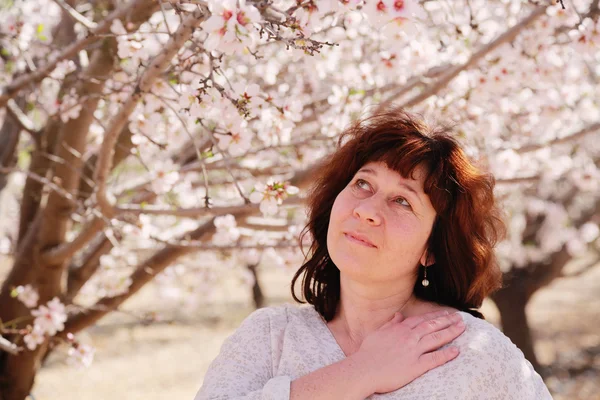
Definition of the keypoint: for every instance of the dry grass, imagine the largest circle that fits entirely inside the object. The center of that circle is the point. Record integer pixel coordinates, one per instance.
(168, 359)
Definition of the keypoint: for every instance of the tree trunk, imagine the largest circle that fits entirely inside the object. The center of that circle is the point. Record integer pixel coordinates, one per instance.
(9, 138)
(511, 302)
(257, 294)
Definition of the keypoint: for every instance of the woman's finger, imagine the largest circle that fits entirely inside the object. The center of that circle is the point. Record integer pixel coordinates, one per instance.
(436, 324)
(434, 359)
(435, 340)
(398, 317)
(412, 322)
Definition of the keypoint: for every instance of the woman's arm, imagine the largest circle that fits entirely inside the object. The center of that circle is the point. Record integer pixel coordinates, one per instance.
(243, 368)
(342, 380)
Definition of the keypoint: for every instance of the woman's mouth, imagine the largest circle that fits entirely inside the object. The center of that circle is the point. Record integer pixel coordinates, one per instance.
(359, 239)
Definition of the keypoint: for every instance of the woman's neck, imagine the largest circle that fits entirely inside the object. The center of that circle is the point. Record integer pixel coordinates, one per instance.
(359, 314)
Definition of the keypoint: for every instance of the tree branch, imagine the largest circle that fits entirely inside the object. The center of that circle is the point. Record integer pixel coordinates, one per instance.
(106, 153)
(582, 270)
(446, 78)
(79, 276)
(67, 250)
(583, 132)
(147, 270)
(159, 64)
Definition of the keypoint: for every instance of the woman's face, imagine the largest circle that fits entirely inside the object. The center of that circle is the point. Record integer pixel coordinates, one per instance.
(380, 224)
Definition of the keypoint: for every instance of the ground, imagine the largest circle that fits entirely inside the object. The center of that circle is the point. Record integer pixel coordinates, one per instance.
(166, 360)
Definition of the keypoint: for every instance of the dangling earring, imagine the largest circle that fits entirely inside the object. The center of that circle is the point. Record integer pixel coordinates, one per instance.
(425, 282)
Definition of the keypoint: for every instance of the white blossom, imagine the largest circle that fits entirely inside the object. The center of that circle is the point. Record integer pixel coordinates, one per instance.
(50, 318)
(34, 338)
(81, 355)
(27, 295)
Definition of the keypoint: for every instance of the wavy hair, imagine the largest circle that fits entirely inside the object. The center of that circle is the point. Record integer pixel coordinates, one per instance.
(464, 233)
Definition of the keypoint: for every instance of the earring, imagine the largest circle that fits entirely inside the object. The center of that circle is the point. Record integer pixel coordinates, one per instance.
(425, 282)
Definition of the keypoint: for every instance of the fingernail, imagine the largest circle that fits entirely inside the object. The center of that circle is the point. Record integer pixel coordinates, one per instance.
(460, 324)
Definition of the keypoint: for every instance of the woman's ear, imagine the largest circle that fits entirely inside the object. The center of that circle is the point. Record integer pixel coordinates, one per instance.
(427, 259)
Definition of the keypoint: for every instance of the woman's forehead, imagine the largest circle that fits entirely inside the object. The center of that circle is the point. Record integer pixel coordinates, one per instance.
(418, 174)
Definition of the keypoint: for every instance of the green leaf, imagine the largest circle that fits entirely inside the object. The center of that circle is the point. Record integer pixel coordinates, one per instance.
(23, 159)
(6, 3)
(40, 35)
(9, 66)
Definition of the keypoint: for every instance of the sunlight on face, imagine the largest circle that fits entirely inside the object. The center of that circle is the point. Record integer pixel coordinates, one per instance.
(380, 224)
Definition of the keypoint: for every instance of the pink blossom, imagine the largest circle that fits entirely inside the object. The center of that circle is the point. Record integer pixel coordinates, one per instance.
(51, 317)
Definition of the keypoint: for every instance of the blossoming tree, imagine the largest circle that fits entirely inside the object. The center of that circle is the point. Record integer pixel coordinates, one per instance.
(140, 134)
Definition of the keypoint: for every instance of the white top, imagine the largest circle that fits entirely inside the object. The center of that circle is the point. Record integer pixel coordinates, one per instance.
(275, 345)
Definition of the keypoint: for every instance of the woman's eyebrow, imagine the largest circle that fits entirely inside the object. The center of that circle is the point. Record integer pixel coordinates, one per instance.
(404, 185)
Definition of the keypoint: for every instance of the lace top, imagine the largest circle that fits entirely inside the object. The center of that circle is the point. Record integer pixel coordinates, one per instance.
(275, 345)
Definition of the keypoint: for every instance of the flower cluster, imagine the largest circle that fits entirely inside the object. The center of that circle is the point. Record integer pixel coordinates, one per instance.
(226, 230)
(271, 195)
(229, 25)
(49, 319)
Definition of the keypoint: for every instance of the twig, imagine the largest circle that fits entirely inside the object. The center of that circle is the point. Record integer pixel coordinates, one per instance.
(22, 120)
(198, 152)
(227, 159)
(9, 347)
(194, 212)
(164, 14)
(44, 181)
(76, 16)
(199, 245)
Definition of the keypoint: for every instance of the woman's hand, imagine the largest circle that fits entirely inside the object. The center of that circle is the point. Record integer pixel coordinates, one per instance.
(405, 348)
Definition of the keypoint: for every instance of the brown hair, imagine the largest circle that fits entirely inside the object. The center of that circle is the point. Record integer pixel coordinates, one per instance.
(467, 224)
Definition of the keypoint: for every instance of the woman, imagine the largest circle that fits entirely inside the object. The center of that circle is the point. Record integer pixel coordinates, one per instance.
(403, 229)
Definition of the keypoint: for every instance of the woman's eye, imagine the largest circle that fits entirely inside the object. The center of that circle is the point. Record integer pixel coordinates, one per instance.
(361, 184)
(402, 201)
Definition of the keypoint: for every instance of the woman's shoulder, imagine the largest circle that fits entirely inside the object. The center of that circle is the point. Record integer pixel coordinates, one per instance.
(279, 315)
(479, 336)
(489, 366)
(482, 336)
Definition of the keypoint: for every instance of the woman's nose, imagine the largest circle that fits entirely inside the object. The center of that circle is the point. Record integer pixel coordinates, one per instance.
(368, 211)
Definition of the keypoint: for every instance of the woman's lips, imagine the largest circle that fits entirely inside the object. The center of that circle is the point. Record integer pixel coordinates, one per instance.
(358, 240)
